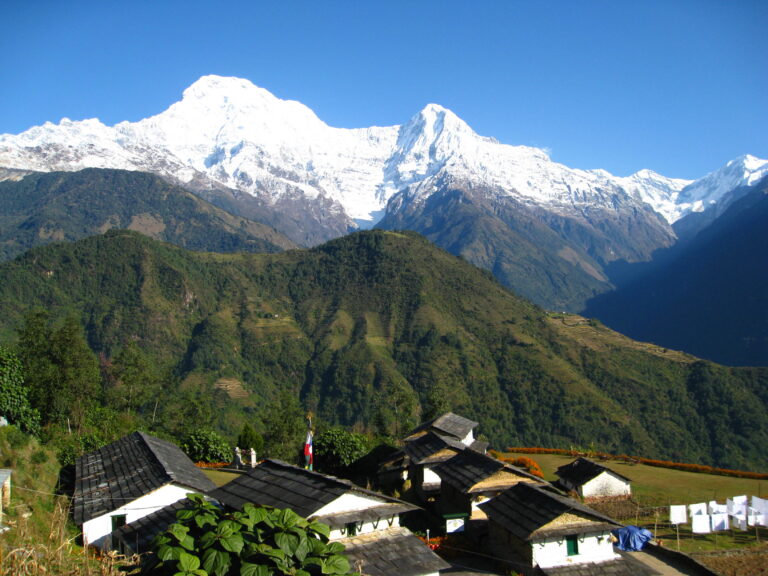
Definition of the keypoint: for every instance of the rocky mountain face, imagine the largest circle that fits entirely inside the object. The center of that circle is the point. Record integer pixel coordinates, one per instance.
(707, 295)
(66, 206)
(276, 162)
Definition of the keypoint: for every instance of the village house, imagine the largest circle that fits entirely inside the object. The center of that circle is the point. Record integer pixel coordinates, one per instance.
(347, 508)
(366, 523)
(127, 480)
(468, 480)
(592, 481)
(415, 462)
(542, 532)
(450, 425)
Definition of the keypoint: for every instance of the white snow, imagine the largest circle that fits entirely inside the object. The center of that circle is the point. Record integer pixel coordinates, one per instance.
(243, 137)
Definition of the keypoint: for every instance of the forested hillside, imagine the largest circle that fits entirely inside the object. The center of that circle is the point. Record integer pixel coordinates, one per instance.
(376, 331)
(43, 208)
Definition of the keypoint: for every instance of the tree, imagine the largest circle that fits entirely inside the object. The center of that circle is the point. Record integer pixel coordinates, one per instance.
(61, 370)
(337, 448)
(14, 403)
(249, 438)
(259, 541)
(206, 446)
(284, 428)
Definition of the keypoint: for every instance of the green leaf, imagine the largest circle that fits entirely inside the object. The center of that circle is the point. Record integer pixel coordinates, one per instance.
(185, 514)
(248, 569)
(335, 548)
(187, 542)
(216, 562)
(287, 542)
(203, 519)
(233, 543)
(188, 562)
(167, 552)
(178, 531)
(335, 564)
(303, 547)
(320, 528)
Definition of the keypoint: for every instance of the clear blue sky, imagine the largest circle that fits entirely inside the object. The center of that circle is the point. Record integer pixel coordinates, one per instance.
(677, 86)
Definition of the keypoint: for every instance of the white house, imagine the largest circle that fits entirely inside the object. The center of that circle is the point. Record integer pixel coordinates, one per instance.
(470, 479)
(366, 522)
(127, 480)
(538, 529)
(592, 481)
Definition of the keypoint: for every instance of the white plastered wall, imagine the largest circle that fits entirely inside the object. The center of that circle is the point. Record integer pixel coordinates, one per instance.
(594, 548)
(604, 485)
(97, 530)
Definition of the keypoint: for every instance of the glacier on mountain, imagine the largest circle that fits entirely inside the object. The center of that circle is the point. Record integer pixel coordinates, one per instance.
(232, 133)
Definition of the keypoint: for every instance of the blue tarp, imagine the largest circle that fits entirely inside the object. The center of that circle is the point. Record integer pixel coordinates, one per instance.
(632, 538)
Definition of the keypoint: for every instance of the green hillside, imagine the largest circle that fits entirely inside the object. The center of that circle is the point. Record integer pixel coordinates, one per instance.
(56, 206)
(378, 330)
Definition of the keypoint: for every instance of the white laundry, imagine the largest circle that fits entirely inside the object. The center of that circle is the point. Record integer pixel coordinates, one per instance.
(677, 514)
(737, 506)
(739, 521)
(700, 524)
(697, 509)
(715, 508)
(719, 522)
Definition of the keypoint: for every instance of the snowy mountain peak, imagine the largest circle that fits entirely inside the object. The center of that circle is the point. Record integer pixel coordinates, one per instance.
(231, 132)
(715, 187)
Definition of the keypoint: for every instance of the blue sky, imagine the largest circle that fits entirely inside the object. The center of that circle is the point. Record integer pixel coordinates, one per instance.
(677, 86)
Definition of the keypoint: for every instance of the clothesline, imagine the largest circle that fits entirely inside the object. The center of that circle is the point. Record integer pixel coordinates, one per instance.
(714, 517)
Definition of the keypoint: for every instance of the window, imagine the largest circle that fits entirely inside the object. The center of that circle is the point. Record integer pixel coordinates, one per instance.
(117, 521)
(572, 545)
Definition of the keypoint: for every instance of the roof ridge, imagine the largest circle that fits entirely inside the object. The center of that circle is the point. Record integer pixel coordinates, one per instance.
(148, 441)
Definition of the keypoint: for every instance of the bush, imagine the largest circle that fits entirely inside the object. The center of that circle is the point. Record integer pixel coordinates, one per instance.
(255, 542)
(206, 446)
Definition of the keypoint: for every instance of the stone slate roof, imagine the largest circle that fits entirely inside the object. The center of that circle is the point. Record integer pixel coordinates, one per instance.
(448, 424)
(341, 519)
(624, 566)
(465, 470)
(395, 551)
(136, 537)
(127, 469)
(582, 470)
(278, 484)
(425, 449)
(525, 508)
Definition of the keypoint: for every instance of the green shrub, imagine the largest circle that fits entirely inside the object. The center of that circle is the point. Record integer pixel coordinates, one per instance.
(255, 542)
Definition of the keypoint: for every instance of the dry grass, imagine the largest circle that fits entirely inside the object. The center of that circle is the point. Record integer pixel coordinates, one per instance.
(24, 551)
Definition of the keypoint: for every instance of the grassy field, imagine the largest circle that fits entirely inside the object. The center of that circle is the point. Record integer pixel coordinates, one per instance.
(220, 477)
(652, 486)
(654, 489)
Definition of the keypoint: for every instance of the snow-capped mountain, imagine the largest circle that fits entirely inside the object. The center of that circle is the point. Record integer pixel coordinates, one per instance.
(242, 137)
(227, 136)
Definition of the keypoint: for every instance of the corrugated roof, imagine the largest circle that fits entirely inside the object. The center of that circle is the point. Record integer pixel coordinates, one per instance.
(582, 470)
(391, 552)
(467, 469)
(278, 484)
(448, 424)
(524, 509)
(127, 469)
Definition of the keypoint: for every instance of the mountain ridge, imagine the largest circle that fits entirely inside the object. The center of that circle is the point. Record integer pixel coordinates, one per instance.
(378, 330)
(275, 162)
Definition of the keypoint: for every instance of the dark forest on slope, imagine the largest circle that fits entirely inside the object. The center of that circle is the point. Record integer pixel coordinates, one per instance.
(376, 331)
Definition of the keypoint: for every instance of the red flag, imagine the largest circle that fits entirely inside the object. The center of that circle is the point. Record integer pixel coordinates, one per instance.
(308, 456)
